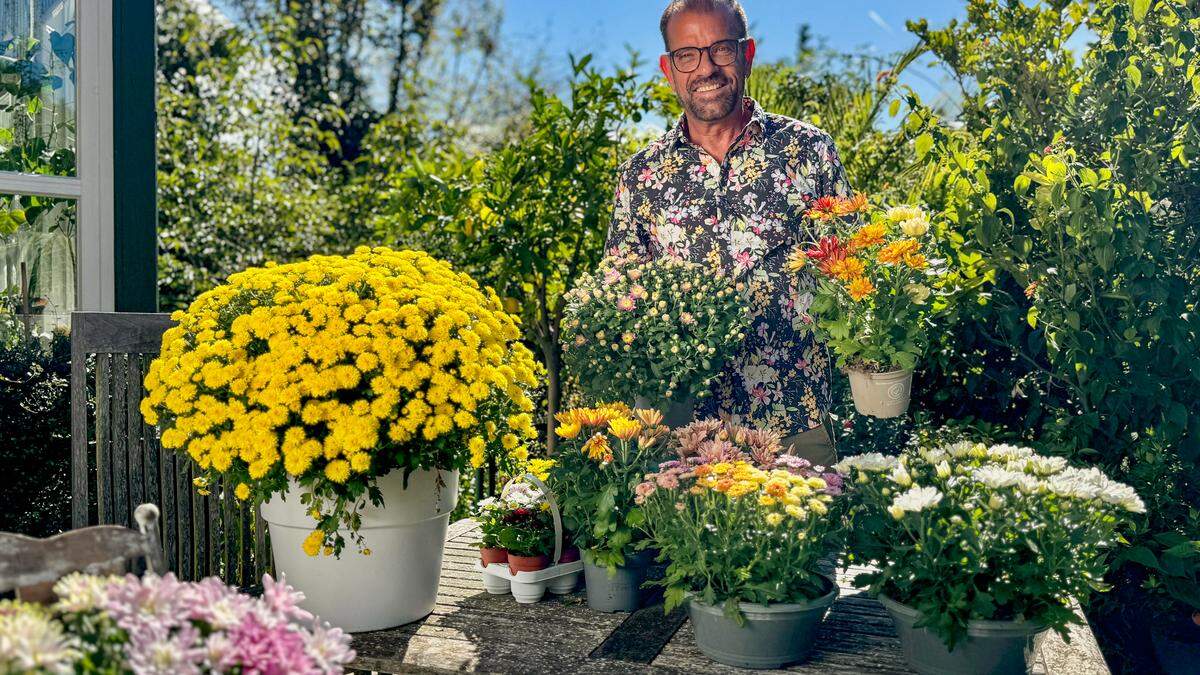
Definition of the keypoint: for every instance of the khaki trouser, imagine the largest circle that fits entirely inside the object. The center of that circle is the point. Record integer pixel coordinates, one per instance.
(815, 445)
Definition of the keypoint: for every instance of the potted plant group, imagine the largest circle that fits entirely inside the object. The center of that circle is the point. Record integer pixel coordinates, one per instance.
(878, 286)
(604, 454)
(344, 394)
(746, 530)
(526, 531)
(490, 515)
(981, 549)
(651, 333)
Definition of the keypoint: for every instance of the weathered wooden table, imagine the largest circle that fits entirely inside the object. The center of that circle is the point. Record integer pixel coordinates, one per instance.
(470, 630)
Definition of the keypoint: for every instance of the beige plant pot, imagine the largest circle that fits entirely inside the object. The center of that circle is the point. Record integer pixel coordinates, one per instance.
(880, 394)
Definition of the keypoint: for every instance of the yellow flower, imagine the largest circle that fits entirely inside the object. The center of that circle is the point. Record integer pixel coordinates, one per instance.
(899, 214)
(596, 447)
(916, 261)
(649, 417)
(766, 500)
(338, 470)
(568, 430)
(541, 467)
(796, 260)
(860, 288)
(774, 519)
(242, 491)
(312, 543)
(509, 441)
(915, 227)
(623, 428)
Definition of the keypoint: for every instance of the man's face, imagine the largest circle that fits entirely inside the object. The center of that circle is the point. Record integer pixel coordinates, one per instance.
(710, 92)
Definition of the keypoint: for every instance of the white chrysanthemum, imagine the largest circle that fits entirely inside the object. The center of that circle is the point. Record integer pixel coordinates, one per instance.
(871, 461)
(1071, 485)
(1123, 496)
(917, 499)
(996, 477)
(1005, 452)
(960, 449)
(1029, 484)
(933, 455)
(78, 592)
(30, 641)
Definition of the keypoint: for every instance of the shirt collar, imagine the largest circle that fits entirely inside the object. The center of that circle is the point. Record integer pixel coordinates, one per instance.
(677, 135)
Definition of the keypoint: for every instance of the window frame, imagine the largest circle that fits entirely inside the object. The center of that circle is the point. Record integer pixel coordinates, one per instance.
(92, 187)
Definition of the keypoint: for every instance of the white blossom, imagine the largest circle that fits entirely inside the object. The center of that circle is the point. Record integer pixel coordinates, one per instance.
(917, 499)
(871, 461)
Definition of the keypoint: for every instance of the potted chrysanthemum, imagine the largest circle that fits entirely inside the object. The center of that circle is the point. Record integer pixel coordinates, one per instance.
(748, 533)
(604, 454)
(981, 549)
(879, 285)
(344, 394)
(651, 333)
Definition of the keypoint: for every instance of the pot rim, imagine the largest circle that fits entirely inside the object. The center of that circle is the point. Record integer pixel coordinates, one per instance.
(752, 608)
(975, 627)
(894, 373)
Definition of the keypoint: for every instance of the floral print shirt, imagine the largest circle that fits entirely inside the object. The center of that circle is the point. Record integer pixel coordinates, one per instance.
(742, 218)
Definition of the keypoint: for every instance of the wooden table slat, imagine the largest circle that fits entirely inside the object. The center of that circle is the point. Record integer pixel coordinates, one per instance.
(470, 630)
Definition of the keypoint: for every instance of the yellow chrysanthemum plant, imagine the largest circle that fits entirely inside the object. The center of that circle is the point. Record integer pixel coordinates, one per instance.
(771, 518)
(603, 453)
(879, 281)
(329, 373)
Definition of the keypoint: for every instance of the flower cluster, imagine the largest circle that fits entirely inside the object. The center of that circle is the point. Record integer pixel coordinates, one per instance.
(659, 330)
(879, 283)
(1009, 533)
(336, 370)
(522, 523)
(771, 516)
(604, 452)
(161, 625)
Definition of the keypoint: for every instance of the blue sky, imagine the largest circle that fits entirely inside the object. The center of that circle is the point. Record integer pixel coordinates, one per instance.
(605, 28)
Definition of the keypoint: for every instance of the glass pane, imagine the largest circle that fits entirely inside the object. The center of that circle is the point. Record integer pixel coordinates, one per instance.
(37, 264)
(37, 86)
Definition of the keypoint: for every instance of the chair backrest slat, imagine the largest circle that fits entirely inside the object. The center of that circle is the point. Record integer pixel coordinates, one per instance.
(118, 455)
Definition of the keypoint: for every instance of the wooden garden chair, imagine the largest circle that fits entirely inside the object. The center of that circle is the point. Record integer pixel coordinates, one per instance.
(30, 566)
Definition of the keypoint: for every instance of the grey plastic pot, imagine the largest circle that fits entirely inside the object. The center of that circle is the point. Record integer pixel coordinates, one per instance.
(996, 647)
(675, 413)
(772, 636)
(619, 592)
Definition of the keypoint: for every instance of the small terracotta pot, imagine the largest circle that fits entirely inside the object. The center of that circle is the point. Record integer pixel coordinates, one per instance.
(492, 555)
(523, 563)
(569, 554)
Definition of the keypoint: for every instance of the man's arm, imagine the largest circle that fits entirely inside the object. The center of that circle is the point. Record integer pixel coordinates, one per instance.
(624, 235)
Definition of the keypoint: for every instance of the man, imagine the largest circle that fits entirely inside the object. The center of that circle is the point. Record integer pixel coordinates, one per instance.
(727, 188)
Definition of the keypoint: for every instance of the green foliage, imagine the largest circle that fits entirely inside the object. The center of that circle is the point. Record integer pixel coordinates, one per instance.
(1073, 181)
(529, 218)
(240, 180)
(35, 419)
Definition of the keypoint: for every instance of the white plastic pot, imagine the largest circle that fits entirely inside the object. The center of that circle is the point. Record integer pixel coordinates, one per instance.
(398, 582)
(881, 394)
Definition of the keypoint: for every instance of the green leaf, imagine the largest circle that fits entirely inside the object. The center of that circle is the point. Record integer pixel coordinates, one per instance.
(1140, 7)
(1134, 75)
(923, 145)
(1031, 317)
(894, 108)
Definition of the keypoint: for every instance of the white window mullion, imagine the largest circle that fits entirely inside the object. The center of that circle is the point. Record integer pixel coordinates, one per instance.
(94, 137)
(42, 186)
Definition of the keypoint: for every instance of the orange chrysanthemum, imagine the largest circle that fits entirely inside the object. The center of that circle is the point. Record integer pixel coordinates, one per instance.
(867, 236)
(916, 261)
(895, 252)
(596, 447)
(847, 268)
(824, 208)
(624, 428)
(860, 288)
(848, 206)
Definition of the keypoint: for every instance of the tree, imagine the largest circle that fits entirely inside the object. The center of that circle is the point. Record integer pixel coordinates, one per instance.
(530, 217)
(1074, 181)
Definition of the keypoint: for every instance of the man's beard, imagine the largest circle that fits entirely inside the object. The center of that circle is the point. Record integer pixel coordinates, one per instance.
(713, 109)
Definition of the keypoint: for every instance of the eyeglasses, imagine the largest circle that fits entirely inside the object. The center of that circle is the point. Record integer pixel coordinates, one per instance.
(721, 53)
